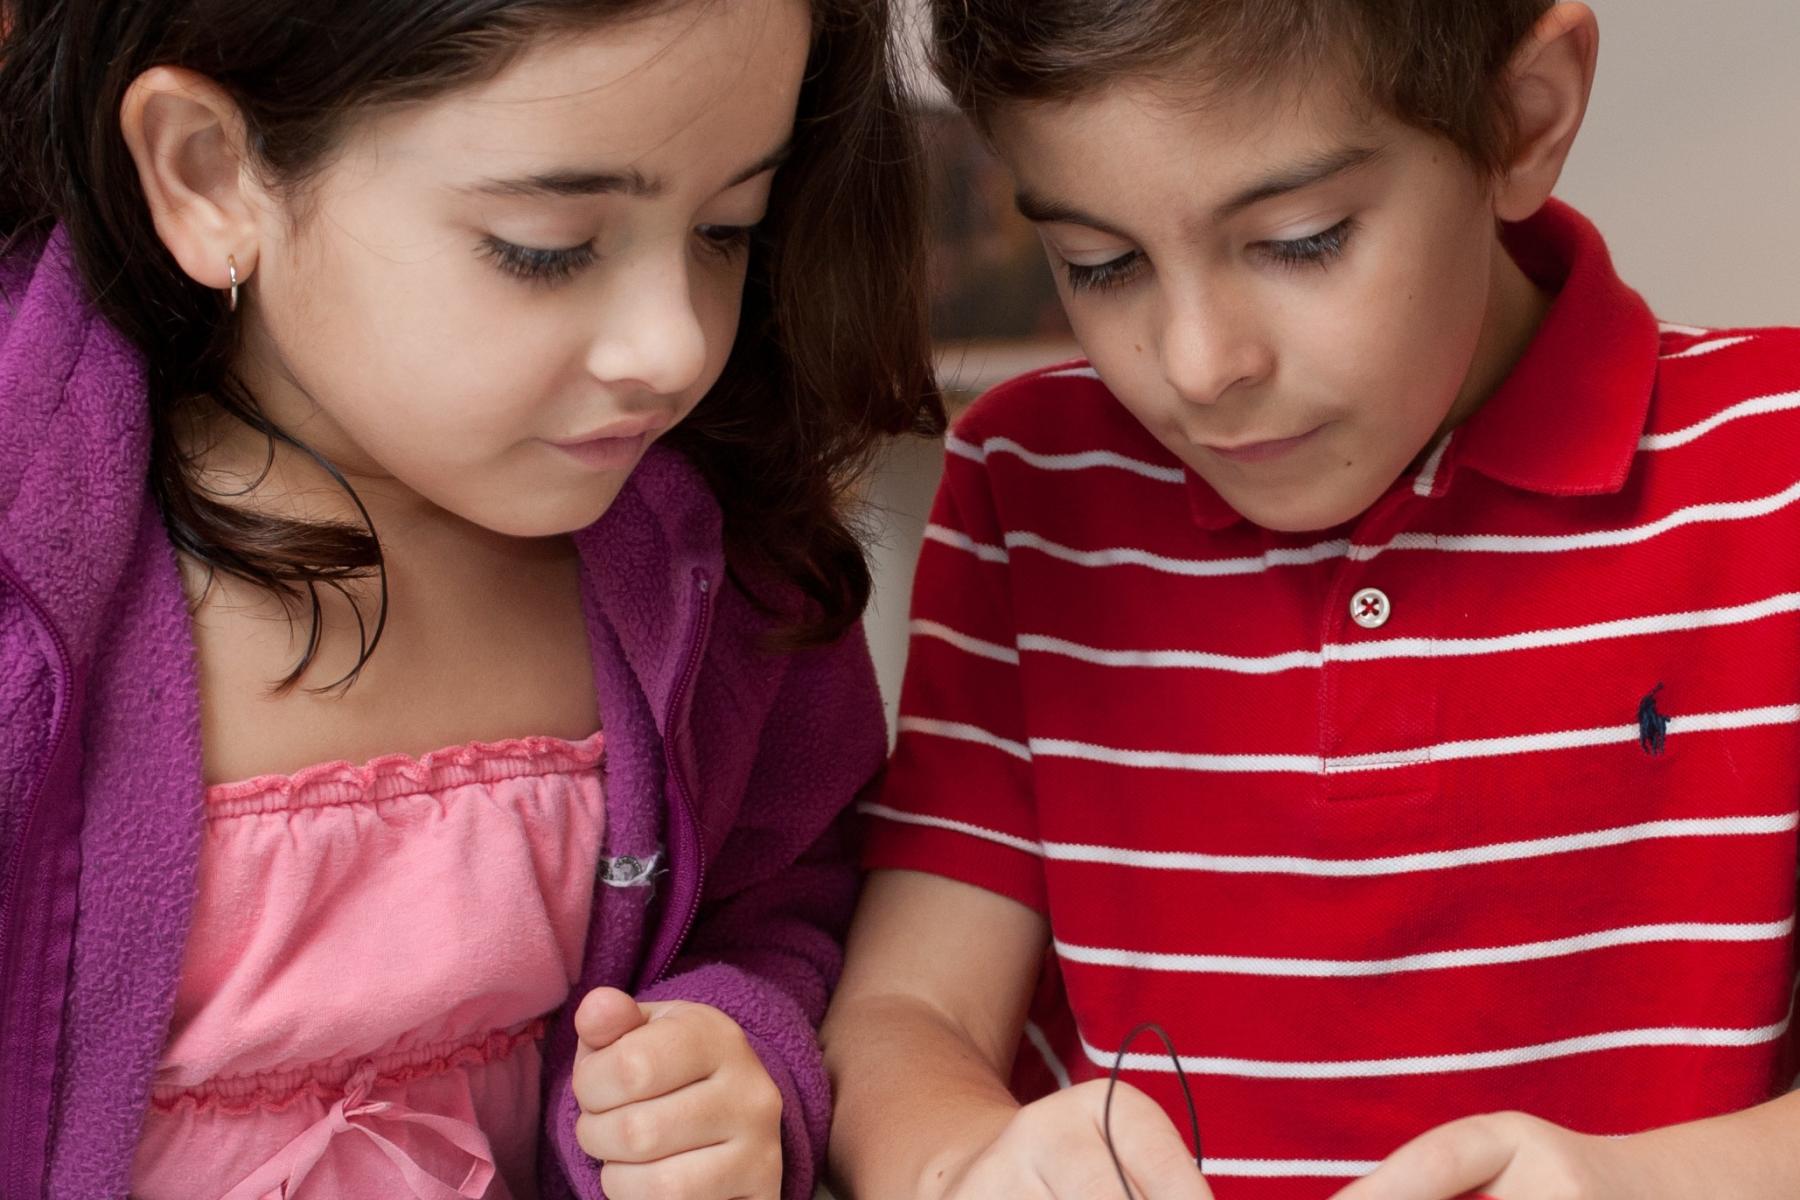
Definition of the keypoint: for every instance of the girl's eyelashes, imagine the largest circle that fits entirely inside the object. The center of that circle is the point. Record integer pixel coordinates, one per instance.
(727, 241)
(550, 267)
(1315, 250)
(539, 266)
(1104, 276)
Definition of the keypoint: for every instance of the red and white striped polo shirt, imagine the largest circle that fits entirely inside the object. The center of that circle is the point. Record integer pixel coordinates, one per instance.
(1523, 837)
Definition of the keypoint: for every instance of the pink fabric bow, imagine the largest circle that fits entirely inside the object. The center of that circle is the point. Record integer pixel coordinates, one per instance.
(282, 1176)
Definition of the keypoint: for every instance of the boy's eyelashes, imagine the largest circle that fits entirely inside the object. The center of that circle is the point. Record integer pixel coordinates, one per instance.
(553, 266)
(1104, 276)
(1314, 250)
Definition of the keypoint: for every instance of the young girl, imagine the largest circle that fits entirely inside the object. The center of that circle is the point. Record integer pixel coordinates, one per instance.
(388, 376)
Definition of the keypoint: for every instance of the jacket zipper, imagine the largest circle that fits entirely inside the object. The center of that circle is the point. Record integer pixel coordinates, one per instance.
(696, 643)
(12, 981)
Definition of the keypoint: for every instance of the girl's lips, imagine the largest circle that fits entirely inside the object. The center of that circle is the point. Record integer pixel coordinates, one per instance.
(1257, 452)
(606, 453)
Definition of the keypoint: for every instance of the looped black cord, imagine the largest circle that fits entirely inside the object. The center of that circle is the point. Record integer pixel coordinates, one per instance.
(1186, 1092)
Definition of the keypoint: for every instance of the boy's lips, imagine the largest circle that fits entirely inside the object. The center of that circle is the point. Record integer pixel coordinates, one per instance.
(1263, 451)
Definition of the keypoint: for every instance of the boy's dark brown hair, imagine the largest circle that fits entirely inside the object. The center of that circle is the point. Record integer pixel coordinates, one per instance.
(1435, 64)
(832, 351)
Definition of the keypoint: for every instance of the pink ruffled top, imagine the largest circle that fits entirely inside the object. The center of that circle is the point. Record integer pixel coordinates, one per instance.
(373, 954)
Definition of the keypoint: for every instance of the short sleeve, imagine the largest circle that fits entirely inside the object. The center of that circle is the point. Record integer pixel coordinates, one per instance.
(958, 799)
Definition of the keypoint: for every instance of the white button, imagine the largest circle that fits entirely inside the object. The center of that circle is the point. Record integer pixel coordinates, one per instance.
(1370, 608)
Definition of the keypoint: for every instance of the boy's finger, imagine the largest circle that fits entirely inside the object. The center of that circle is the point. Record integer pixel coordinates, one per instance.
(604, 1016)
(1183, 1184)
(1452, 1162)
(1157, 1163)
(1152, 1150)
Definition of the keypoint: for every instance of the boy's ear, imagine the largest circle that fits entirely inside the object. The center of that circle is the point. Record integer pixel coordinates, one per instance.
(187, 137)
(1547, 83)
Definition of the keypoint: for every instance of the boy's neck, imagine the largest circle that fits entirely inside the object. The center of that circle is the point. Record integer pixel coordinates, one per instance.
(1516, 308)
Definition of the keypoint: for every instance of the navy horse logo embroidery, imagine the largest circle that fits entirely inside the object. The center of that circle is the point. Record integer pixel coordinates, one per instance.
(1653, 726)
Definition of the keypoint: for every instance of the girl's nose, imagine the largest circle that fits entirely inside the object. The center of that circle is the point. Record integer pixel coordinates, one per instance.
(651, 337)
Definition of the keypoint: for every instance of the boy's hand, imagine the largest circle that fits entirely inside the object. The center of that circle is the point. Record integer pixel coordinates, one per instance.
(1055, 1149)
(1506, 1156)
(674, 1102)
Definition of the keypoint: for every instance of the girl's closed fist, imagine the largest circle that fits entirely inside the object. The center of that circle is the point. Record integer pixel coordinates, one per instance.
(675, 1102)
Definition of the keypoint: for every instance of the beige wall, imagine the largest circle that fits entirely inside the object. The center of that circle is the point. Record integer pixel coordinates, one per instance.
(1690, 163)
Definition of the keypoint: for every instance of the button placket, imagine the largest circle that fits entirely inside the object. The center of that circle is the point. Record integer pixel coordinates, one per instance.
(1372, 709)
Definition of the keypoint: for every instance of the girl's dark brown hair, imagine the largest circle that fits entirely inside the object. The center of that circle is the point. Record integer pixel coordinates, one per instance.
(1435, 64)
(830, 357)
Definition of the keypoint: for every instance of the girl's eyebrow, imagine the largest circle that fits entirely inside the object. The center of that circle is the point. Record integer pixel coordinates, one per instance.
(629, 182)
(1043, 210)
(572, 183)
(762, 166)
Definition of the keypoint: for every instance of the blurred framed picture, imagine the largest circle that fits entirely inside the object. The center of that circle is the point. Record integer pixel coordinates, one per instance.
(995, 311)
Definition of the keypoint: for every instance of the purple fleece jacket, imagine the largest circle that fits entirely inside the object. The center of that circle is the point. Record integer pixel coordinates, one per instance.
(739, 762)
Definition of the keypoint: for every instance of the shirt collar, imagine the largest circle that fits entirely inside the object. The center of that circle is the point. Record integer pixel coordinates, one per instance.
(1209, 509)
(1568, 417)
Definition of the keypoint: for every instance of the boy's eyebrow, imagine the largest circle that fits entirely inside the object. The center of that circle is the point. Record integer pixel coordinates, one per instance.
(1302, 175)
(631, 182)
(1041, 210)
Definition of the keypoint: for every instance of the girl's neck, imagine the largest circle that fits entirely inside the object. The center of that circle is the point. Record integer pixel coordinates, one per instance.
(244, 467)
(484, 640)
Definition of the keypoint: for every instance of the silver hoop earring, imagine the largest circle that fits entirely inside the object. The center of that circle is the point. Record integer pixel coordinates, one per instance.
(231, 266)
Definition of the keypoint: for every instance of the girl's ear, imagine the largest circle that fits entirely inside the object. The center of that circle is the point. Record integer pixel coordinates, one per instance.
(187, 137)
(1548, 83)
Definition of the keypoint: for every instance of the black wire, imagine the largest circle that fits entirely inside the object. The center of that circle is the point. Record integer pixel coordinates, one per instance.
(1186, 1092)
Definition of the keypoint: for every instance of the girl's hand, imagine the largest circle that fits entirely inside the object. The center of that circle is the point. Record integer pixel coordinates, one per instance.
(1505, 1156)
(1055, 1149)
(674, 1102)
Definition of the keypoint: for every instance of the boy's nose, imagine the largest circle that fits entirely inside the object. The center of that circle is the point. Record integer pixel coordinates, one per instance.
(1207, 352)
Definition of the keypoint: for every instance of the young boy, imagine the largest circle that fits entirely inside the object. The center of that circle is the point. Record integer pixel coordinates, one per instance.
(1379, 667)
